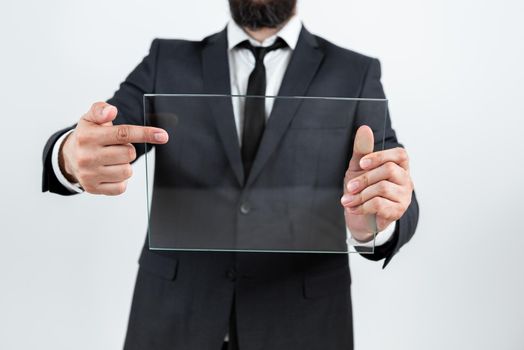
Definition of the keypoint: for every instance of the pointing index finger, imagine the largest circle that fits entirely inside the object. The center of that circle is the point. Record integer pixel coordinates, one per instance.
(123, 134)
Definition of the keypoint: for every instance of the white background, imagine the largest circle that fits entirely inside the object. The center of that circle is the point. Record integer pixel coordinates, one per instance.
(453, 72)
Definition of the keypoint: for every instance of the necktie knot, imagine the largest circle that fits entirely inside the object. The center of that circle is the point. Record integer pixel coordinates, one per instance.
(259, 52)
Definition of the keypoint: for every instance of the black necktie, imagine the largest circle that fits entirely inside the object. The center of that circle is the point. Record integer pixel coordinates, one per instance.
(254, 110)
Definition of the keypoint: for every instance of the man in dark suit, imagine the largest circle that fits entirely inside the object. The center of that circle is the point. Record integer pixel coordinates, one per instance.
(193, 300)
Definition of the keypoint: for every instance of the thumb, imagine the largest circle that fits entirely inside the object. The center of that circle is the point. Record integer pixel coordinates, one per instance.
(364, 143)
(101, 113)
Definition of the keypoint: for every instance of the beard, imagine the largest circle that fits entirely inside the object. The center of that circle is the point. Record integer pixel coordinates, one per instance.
(256, 14)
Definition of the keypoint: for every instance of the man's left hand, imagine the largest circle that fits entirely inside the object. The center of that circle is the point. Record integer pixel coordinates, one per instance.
(376, 183)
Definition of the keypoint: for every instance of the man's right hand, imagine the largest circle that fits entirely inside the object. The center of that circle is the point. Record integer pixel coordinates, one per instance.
(97, 154)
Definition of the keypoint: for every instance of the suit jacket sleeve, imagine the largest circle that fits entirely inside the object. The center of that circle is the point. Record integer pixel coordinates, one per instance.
(129, 101)
(406, 225)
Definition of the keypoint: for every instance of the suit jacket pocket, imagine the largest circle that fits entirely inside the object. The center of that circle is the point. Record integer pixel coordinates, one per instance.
(317, 285)
(158, 265)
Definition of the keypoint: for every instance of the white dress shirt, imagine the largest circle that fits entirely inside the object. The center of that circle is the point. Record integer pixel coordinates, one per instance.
(241, 64)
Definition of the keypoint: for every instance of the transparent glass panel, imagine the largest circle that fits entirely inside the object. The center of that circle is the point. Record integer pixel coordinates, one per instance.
(201, 198)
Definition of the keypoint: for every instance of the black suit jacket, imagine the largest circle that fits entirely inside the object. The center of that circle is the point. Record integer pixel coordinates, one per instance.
(182, 300)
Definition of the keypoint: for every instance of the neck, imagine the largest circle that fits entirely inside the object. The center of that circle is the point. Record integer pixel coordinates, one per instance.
(262, 34)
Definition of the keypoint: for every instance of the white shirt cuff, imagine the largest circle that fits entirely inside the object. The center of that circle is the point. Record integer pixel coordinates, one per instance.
(73, 187)
(381, 238)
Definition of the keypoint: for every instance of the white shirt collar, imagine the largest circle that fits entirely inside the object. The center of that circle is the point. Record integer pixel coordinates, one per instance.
(289, 33)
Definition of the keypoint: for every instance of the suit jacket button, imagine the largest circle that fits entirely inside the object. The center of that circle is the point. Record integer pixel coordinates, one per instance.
(231, 274)
(245, 208)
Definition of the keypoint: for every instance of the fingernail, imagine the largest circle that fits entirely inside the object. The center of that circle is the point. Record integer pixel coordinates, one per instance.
(160, 136)
(352, 185)
(365, 162)
(105, 110)
(347, 198)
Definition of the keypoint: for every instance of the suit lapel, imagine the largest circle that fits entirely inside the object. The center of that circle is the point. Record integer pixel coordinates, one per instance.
(215, 68)
(302, 68)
